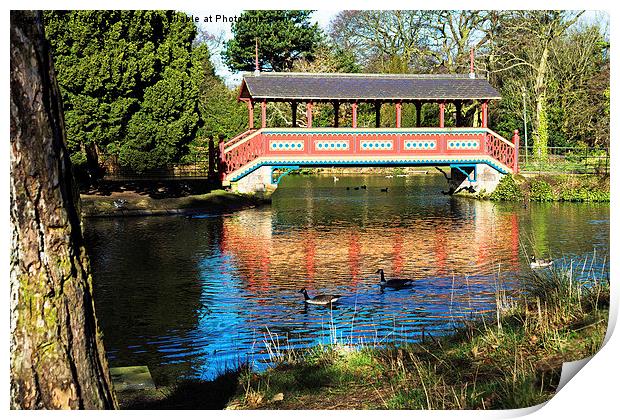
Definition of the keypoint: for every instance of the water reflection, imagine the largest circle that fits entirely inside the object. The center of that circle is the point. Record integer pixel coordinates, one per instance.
(192, 296)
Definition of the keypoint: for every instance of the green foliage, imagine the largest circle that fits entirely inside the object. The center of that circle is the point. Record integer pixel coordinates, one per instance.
(578, 153)
(507, 190)
(564, 84)
(579, 93)
(78, 159)
(571, 188)
(506, 122)
(344, 60)
(584, 193)
(328, 58)
(582, 154)
(540, 190)
(221, 114)
(555, 118)
(126, 83)
(283, 37)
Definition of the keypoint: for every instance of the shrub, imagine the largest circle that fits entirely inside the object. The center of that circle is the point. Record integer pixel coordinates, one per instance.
(584, 194)
(540, 190)
(507, 190)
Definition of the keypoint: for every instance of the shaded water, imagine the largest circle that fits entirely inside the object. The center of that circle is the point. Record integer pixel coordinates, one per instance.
(190, 297)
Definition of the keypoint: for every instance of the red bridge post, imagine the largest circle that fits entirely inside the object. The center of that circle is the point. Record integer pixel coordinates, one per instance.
(515, 141)
(222, 159)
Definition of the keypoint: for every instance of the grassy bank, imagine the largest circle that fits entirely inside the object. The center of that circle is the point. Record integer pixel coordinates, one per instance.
(574, 188)
(510, 360)
(136, 204)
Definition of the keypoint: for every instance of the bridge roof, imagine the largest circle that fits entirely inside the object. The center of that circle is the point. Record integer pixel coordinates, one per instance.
(364, 87)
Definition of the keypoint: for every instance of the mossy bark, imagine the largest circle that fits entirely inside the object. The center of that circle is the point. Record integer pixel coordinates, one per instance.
(57, 356)
(541, 129)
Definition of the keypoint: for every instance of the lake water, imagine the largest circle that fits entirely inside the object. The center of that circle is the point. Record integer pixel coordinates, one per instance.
(190, 297)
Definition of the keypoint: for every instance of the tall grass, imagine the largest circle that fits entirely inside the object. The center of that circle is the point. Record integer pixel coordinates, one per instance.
(513, 361)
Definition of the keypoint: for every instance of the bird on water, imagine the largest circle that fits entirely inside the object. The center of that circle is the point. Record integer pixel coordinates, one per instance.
(539, 262)
(326, 299)
(393, 283)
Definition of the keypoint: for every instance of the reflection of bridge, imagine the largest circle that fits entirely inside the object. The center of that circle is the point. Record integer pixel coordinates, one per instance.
(477, 155)
(348, 255)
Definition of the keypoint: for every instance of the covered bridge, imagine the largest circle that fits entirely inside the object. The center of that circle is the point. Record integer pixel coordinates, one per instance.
(404, 144)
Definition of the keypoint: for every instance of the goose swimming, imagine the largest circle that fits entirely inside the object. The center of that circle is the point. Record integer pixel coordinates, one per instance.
(319, 299)
(393, 283)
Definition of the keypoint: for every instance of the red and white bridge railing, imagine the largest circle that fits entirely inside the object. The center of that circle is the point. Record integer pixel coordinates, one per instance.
(365, 146)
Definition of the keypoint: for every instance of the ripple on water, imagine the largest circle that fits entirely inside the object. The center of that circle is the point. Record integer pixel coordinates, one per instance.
(192, 297)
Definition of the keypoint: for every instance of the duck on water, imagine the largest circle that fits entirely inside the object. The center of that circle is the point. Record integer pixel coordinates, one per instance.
(539, 262)
(326, 299)
(393, 283)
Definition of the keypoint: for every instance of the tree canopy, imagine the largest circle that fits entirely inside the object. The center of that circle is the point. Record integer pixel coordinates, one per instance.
(141, 86)
(559, 63)
(284, 36)
(126, 84)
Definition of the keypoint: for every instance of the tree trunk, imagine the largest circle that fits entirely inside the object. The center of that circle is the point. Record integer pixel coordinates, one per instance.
(93, 165)
(57, 356)
(540, 123)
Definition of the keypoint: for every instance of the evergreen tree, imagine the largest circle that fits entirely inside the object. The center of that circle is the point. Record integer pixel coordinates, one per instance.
(283, 37)
(221, 114)
(126, 84)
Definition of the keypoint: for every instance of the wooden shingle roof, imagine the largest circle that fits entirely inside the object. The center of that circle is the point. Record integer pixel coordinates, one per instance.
(364, 87)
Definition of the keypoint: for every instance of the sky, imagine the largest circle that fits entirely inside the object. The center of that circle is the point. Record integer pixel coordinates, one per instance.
(219, 24)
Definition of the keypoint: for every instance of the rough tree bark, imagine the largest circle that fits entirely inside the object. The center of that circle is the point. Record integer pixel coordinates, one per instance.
(57, 356)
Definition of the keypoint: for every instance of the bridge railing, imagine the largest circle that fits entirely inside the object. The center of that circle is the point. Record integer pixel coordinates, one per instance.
(240, 150)
(238, 137)
(365, 143)
(502, 150)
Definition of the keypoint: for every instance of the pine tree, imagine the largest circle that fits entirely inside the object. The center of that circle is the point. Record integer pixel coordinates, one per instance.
(284, 36)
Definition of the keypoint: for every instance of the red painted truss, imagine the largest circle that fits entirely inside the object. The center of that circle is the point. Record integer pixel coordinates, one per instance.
(360, 145)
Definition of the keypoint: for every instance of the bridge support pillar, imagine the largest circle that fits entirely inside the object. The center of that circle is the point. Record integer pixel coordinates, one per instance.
(257, 182)
(474, 178)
